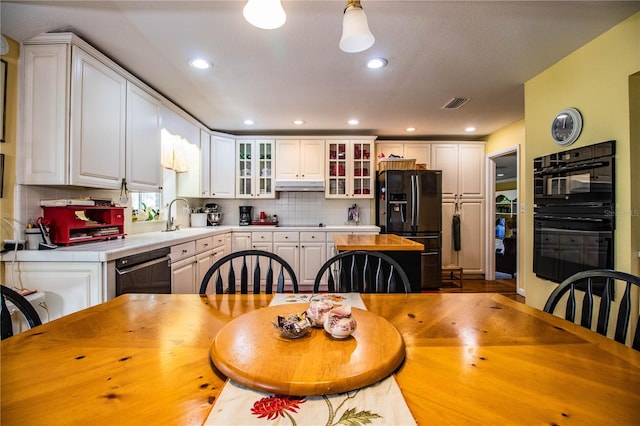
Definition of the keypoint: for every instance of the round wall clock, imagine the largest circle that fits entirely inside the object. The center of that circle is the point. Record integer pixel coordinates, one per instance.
(566, 126)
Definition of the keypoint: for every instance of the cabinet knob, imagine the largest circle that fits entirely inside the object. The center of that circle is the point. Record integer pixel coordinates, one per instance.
(313, 236)
(286, 237)
(184, 251)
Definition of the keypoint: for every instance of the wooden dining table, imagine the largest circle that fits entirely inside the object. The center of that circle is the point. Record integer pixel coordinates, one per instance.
(143, 359)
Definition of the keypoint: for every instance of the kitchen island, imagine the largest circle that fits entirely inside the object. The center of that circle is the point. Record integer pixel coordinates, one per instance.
(404, 251)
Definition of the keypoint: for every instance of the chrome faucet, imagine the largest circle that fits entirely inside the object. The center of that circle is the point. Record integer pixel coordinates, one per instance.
(170, 226)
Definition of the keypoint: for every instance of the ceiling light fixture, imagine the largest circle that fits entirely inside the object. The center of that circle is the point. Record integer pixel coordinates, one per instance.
(377, 63)
(470, 129)
(265, 14)
(356, 35)
(410, 129)
(298, 122)
(353, 122)
(249, 122)
(201, 64)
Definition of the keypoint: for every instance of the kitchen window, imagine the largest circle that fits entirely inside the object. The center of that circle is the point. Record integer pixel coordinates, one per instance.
(145, 206)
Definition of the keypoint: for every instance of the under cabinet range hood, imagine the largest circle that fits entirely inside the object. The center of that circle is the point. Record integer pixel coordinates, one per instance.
(299, 185)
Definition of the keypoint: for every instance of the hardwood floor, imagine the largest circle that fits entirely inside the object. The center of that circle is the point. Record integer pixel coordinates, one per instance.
(506, 287)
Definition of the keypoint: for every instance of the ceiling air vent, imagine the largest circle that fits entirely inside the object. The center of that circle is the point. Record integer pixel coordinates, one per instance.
(456, 103)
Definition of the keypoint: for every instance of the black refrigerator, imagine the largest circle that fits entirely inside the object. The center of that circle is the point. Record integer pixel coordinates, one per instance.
(409, 204)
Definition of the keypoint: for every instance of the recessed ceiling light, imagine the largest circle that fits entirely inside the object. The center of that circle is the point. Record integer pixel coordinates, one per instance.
(470, 129)
(410, 129)
(201, 64)
(353, 122)
(377, 63)
(298, 122)
(249, 122)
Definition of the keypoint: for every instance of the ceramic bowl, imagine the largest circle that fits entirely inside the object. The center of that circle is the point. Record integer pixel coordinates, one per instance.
(339, 322)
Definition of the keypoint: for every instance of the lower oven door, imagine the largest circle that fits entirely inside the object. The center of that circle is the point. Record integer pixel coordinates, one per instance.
(562, 249)
(150, 276)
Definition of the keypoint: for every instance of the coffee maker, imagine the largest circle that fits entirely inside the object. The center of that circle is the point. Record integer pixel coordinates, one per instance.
(245, 215)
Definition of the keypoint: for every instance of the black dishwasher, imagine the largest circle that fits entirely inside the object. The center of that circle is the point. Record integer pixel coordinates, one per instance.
(148, 272)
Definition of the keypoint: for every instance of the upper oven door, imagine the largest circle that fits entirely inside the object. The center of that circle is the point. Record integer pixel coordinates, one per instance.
(584, 183)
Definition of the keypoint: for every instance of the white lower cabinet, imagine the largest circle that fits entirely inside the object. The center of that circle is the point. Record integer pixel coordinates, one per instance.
(313, 254)
(183, 274)
(287, 246)
(210, 250)
(471, 254)
(183, 268)
(68, 286)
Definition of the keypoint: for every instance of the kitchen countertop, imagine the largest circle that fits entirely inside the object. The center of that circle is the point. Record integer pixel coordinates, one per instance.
(104, 251)
(383, 242)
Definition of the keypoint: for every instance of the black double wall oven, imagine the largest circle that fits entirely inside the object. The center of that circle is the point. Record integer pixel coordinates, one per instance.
(574, 212)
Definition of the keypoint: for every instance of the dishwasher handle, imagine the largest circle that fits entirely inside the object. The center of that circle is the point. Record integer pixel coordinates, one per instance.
(124, 271)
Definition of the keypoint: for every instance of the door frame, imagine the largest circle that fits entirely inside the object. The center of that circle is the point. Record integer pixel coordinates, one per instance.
(490, 260)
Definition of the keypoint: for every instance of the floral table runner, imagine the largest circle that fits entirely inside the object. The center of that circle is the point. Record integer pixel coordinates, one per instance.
(378, 404)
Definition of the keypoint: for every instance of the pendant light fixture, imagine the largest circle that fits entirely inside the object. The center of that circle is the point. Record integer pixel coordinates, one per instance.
(356, 35)
(265, 14)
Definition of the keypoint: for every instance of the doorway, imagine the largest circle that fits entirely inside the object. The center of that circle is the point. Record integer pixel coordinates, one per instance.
(503, 208)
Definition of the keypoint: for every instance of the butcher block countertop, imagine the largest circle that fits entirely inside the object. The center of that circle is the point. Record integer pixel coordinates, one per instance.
(380, 242)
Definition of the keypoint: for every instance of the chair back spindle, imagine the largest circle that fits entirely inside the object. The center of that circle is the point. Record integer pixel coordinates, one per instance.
(364, 272)
(585, 282)
(242, 260)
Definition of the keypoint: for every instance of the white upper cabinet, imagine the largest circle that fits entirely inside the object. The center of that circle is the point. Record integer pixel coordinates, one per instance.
(76, 140)
(85, 121)
(351, 169)
(419, 151)
(44, 150)
(300, 159)
(462, 166)
(98, 119)
(143, 141)
(223, 167)
(254, 168)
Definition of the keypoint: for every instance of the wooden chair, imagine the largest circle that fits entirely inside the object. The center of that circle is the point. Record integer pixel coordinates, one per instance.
(364, 272)
(604, 280)
(23, 305)
(242, 260)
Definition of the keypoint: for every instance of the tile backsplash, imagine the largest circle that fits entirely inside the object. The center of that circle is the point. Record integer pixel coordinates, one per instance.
(292, 208)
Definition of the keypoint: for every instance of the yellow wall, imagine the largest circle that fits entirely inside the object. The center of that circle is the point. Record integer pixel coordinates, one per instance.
(594, 79)
(8, 148)
(507, 137)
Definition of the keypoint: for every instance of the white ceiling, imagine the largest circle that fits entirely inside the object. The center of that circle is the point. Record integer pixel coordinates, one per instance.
(436, 50)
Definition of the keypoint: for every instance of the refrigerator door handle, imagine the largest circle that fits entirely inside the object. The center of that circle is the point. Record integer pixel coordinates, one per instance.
(416, 207)
(414, 202)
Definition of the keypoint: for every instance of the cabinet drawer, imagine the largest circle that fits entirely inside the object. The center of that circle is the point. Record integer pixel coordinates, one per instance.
(219, 240)
(181, 251)
(286, 237)
(313, 236)
(258, 237)
(204, 244)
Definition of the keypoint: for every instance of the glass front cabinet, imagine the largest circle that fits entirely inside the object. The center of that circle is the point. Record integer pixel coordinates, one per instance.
(351, 170)
(254, 164)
